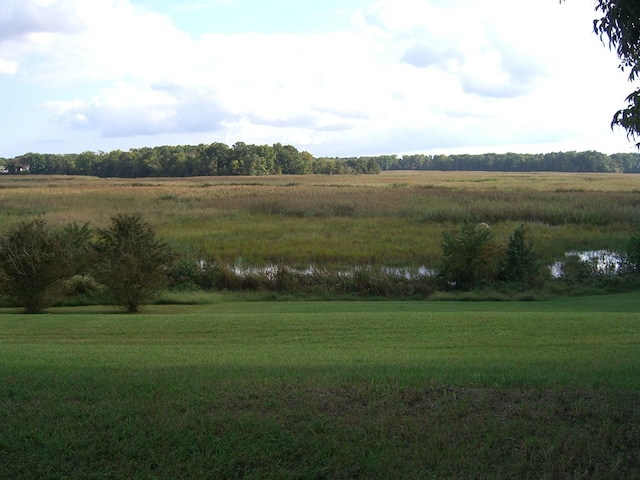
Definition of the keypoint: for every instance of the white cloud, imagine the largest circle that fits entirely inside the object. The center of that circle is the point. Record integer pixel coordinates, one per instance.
(19, 18)
(487, 57)
(8, 67)
(131, 110)
(408, 75)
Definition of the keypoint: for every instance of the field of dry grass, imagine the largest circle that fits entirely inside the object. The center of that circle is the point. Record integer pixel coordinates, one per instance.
(395, 218)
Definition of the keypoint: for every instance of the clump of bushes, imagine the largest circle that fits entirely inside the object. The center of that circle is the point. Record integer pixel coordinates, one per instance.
(127, 265)
(472, 258)
(368, 281)
(40, 265)
(36, 262)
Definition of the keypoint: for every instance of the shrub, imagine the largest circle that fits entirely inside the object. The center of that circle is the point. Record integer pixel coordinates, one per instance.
(470, 258)
(519, 263)
(633, 252)
(184, 273)
(132, 263)
(35, 262)
(575, 270)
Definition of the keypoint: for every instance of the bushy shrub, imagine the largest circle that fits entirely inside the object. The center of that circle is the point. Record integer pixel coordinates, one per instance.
(519, 263)
(633, 252)
(574, 270)
(131, 262)
(184, 273)
(215, 276)
(471, 257)
(35, 262)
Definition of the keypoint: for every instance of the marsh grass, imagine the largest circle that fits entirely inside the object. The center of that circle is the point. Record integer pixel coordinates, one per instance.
(324, 390)
(394, 219)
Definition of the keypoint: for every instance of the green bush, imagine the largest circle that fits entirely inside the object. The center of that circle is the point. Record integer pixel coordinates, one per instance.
(633, 252)
(184, 274)
(131, 262)
(471, 257)
(519, 263)
(36, 261)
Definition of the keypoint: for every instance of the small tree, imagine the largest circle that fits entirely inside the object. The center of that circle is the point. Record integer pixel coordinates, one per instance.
(519, 263)
(131, 262)
(470, 257)
(35, 261)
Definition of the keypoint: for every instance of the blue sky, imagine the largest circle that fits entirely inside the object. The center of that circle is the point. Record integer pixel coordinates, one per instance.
(336, 78)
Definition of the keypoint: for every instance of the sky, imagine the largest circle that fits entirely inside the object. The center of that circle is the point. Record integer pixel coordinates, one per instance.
(335, 78)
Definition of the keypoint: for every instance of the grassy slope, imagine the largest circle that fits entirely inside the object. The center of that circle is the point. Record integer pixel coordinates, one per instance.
(324, 390)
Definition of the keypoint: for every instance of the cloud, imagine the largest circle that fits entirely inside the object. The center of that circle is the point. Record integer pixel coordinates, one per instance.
(19, 18)
(189, 7)
(405, 75)
(461, 39)
(130, 111)
(430, 55)
(8, 67)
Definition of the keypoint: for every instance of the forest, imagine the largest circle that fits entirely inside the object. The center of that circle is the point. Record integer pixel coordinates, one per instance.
(585, 162)
(241, 159)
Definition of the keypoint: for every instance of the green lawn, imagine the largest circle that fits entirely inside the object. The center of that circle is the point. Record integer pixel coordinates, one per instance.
(324, 390)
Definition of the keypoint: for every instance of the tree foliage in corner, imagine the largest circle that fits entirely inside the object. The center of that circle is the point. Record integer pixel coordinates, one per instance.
(35, 261)
(131, 262)
(620, 24)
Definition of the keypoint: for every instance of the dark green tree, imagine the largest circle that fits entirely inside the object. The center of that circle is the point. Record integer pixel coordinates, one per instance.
(519, 263)
(470, 257)
(35, 261)
(131, 261)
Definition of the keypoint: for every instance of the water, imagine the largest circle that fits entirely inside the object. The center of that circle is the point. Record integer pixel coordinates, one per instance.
(602, 262)
(270, 271)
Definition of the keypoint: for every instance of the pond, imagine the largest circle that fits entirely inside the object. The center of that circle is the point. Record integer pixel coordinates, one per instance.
(601, 262)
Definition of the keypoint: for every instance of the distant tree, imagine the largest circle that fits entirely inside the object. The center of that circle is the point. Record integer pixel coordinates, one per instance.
(471, 256)
(620, 24)
(289, 161)
(35, 261)
(131, 262)
(215, 159)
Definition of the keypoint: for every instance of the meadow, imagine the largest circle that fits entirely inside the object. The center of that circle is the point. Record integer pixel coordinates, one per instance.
(366, 389)
(391, 219)
(224, 385)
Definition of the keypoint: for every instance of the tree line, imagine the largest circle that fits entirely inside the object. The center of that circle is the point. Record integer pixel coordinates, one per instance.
(584, 162)
(244, 159)
(186, 161)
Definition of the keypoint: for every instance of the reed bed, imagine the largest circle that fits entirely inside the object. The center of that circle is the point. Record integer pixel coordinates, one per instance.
(395, 218)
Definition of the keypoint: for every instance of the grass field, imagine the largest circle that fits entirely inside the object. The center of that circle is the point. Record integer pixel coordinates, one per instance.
(333, 389)
(324, 390)
(393, 219)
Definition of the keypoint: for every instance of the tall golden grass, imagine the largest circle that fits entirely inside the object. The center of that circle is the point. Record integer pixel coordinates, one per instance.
(395, 218)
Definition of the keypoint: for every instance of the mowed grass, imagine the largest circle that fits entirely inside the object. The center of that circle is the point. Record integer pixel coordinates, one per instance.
(324, 390)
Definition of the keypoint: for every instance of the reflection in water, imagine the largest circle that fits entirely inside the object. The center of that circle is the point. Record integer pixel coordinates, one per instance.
(602, 262)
